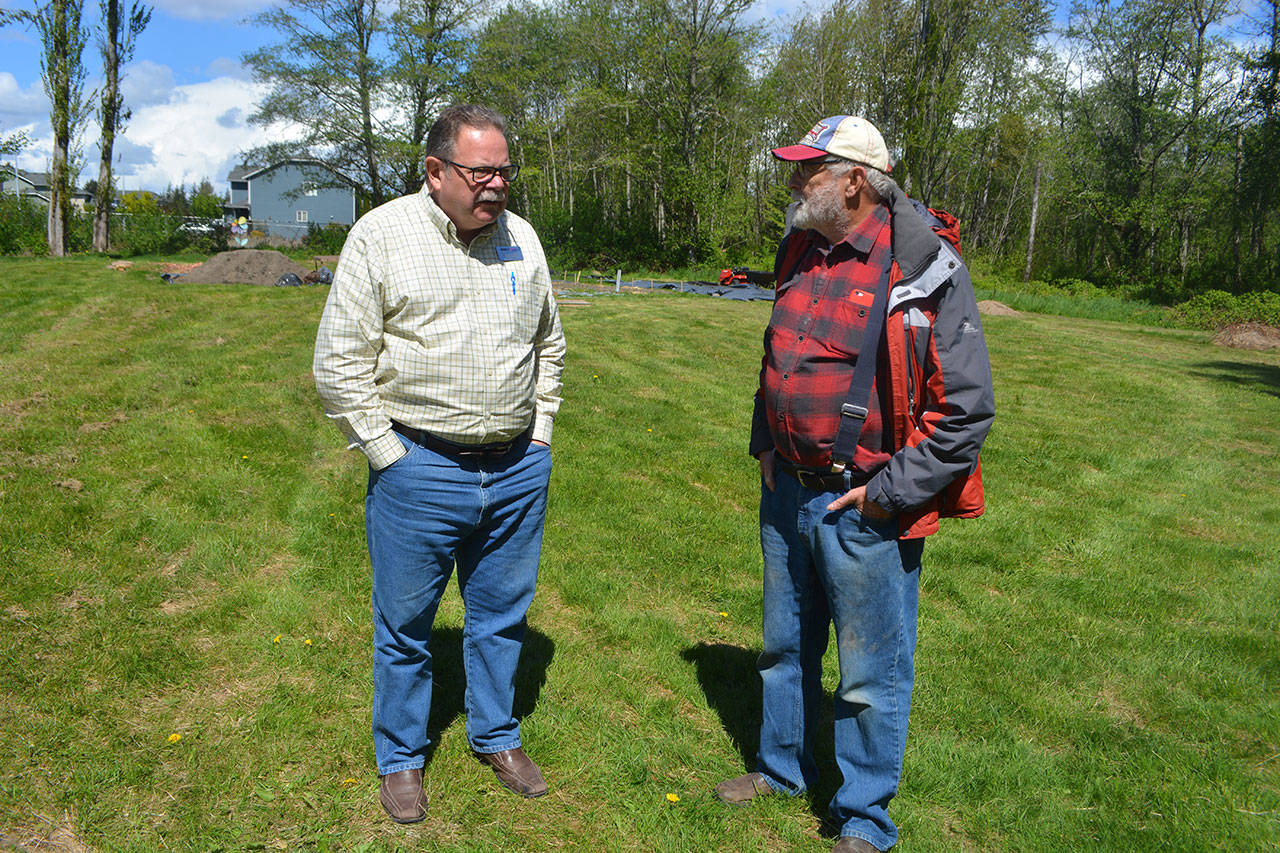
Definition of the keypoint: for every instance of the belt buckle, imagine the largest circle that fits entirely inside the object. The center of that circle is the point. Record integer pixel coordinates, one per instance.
(810, 479)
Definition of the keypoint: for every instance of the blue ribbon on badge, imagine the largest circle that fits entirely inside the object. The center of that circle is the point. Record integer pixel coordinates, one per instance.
(510, 253)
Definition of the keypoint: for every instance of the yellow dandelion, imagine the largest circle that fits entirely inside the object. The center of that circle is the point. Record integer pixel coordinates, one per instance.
(722, 613)
(307, 642)
(244, 457)
(276, 638)
(673, 798)
(348, 782)
(650, 429)
(175, 737)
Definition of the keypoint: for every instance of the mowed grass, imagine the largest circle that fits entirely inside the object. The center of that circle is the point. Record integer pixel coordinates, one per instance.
(182, 554)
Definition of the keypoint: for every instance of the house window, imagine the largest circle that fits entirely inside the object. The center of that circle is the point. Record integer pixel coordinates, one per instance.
(301, 216)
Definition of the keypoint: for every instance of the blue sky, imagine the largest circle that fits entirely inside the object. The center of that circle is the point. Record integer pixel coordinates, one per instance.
(188, 91)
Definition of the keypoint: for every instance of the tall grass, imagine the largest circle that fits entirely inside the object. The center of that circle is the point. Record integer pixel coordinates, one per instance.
(182, 555)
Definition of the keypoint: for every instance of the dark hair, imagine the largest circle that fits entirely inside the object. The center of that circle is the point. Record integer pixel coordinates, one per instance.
(445, 131)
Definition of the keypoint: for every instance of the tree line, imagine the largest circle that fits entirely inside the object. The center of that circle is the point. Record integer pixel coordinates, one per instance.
(1133, 146)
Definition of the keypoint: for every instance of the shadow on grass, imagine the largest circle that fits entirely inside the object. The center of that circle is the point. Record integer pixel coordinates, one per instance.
(1265, 376)
(449, 679)
(728, 677)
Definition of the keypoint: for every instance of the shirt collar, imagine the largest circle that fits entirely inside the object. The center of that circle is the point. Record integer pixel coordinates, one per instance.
(862, 239)
(441, 220)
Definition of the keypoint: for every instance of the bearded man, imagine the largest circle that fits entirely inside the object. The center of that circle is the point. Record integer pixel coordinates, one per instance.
(852, 480)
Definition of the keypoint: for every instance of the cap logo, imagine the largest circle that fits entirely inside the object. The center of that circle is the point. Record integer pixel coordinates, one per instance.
(816, 133)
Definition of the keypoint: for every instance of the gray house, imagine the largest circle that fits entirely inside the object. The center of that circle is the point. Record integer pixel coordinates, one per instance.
(285, 198)
(34, 186)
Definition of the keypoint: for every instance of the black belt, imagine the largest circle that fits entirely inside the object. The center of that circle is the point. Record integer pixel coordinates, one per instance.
(440, 445)
(818, 481)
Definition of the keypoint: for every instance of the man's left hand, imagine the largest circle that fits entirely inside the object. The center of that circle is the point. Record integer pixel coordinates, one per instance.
(858, 498)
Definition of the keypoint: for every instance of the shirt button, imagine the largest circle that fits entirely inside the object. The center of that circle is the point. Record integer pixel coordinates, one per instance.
(799, 337)
(786, 376)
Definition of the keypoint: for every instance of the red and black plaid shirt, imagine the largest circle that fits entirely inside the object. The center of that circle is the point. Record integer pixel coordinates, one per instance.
(813, 340)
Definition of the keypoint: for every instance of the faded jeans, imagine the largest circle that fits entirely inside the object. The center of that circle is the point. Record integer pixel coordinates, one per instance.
(424, 513)
(822, 567)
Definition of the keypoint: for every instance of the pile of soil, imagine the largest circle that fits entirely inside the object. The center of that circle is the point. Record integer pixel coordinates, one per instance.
(996, 309)
(245, 266)
(1254, 336)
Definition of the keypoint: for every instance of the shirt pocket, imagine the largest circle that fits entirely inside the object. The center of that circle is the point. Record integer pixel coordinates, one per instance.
(520, 301)
(847, 323)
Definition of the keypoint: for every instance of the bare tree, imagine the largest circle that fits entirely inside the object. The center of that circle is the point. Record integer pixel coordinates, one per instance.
(116, 39)
(62, 70)
(326, 78)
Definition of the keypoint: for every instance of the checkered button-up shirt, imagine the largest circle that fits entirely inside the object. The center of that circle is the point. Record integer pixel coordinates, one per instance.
(462, 341)
(813, 340)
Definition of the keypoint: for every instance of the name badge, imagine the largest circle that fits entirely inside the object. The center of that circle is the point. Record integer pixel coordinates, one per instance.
(510, 253)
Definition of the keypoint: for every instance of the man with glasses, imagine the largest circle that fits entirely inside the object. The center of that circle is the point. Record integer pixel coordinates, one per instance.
(852, 480)
(439, 356)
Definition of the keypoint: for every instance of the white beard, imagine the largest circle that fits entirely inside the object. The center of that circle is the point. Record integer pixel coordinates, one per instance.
(821, 210)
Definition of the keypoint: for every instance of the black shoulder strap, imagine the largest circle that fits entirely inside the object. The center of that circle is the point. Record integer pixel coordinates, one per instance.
(853, 413)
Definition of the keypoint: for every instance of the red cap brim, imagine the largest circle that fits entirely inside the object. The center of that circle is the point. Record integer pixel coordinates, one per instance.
(798, 152)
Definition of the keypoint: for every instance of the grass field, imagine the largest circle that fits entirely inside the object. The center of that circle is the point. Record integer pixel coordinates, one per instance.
(184, 616)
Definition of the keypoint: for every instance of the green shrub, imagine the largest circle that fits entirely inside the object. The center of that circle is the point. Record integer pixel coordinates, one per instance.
(23, 225)
(1214, 309)
(210, 240)
(1078, 287)
(325, 239)
(148, 232)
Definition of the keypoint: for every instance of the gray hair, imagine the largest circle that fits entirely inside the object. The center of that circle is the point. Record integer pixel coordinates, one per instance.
(444, 133)
(879, 185)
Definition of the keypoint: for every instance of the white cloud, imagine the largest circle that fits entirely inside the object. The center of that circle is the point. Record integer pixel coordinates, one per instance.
(225, 66)
(21, 107)
(193, 136)
(146, 83)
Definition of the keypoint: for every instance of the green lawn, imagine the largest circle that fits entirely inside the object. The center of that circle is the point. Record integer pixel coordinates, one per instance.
(184, 625)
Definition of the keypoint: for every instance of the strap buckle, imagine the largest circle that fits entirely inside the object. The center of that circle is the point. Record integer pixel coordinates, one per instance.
(849, 410)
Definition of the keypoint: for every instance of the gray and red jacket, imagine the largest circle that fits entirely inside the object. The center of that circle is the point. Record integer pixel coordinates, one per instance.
(938, 376)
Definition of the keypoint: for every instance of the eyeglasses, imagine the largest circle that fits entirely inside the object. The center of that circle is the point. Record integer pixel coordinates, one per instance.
(485, 174)
(808, 168)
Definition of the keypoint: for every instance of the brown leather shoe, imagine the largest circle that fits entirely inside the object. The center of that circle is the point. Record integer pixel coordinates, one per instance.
(515, 770)
(402, 796)
(743, 789)
(853, 844)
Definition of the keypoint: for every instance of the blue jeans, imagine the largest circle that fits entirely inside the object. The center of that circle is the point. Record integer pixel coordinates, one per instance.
(822, 567)
(424, 513)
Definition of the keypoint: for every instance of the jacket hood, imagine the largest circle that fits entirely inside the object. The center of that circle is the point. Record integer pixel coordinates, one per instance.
(915, 245)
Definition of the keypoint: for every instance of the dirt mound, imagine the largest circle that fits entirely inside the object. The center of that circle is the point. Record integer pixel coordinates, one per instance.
(996, 309)
(1248, 336)
(244, 266)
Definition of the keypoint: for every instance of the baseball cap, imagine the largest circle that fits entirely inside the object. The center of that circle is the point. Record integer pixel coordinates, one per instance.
(851, 137)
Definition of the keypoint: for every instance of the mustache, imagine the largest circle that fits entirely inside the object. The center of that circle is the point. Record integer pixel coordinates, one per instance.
(491, 195)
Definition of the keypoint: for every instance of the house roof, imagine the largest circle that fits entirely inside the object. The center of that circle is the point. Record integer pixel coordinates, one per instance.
(248, 173)
(35, 179)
